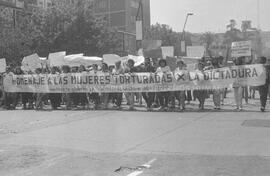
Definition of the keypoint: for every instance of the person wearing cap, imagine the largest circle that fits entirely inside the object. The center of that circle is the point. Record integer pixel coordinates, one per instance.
(148, 97)
(163, 97)
(263, 89)
(181, 95)
(117, 97)
(201, 95)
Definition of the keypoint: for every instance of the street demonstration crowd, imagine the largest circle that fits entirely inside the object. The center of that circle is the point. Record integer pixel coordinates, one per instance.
(165, 101)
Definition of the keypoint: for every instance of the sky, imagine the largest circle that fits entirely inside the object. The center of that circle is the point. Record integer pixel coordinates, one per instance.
(210, 15)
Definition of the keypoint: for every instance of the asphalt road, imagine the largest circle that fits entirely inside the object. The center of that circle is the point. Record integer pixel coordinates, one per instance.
(121, 143)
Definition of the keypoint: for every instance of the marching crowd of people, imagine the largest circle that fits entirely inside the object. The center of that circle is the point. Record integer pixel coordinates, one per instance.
(164, 101)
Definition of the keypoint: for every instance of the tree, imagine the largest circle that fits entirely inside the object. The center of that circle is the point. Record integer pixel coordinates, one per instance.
(64, 26)
(208, 38)
(232, 34)
(87, 36)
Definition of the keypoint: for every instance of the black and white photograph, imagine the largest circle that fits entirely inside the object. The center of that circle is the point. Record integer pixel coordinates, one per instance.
(134, 88)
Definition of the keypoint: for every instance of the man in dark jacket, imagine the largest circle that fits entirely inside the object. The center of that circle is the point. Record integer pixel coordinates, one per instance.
(149, 97)
(263, 90)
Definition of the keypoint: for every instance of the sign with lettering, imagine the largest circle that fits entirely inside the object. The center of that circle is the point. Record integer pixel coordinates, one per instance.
(247, 75)
(240, 49)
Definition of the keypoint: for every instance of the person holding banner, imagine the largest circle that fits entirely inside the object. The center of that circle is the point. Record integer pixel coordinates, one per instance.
(216, 92)
(148, 97)
(11, 99)
(130, 95)
(163, 96)
(201, 95)
(117, 97)
(94, 96)
(39, 96)
(83, 100)
(105, 96)
(26, 96)
(181, 95)
(67, 96)
(55, 98)
(263, 90)
(238, 89)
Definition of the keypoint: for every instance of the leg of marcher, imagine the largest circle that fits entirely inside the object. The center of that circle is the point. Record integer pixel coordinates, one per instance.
(182, 100)
(263, 90)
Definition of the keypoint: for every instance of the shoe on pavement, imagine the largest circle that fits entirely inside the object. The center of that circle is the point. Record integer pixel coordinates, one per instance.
(131, 109)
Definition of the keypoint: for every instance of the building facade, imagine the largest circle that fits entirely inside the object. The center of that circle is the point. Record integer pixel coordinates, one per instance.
(122, 15)
(119, 14)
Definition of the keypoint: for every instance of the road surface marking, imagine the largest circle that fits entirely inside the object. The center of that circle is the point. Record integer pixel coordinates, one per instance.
(136, 173)
(148, 164)
(144, 166)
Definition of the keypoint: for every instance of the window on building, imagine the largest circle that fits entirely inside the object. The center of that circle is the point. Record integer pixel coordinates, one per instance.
(134, 4)
(118, 19)
(117, 5)
(101, 6)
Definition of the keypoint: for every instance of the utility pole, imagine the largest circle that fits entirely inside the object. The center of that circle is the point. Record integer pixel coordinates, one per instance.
(139, 24)
(183, 43)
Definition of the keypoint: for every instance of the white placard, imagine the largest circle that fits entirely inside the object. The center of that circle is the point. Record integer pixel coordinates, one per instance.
(78, 60)
(111, 59)
(242, 48)
(195, 51)
(3, 65)
(137, 59)
(57, 59)
(31, 63)
(167, 51)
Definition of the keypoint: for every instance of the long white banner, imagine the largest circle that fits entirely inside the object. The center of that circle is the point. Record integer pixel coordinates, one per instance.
(248, 75)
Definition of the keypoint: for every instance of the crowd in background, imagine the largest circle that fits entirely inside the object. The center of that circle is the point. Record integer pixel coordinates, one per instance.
(164, 101)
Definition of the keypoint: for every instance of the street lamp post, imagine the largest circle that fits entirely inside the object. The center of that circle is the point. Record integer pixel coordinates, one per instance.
(183, 32)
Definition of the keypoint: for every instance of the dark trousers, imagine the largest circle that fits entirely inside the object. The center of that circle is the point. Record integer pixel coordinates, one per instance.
(95, 98)
(83, 99)
(27, 98)
(118, 99)
(55, 99)
(189, 96)
(263, 90)
(245, 94)
(11, 100)
(149, 98)
(163, 98)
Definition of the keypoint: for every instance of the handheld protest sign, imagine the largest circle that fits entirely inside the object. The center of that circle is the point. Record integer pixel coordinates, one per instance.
(31, 63)
(3, 65)
(57, 59)
(240, 49)
(111, 59)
